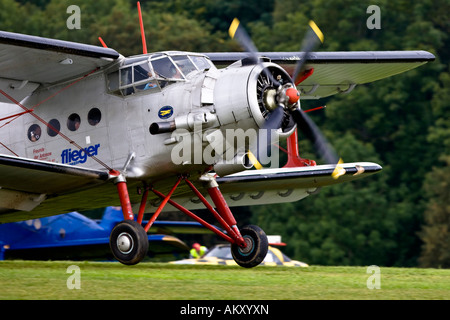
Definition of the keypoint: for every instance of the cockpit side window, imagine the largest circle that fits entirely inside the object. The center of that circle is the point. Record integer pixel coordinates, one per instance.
(132, 79)
(126, 81)
(141, 72)
(143, 78)
(126, 76)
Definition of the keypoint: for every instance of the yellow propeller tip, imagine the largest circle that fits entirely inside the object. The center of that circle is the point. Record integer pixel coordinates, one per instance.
(254, 161)
(316, 30)
(233, 27)
(339, 170)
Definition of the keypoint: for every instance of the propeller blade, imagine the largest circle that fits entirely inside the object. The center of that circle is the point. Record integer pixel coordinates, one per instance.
(273, 122)
(312, 132)
(262, 149)
(274, 119)
(312, 40)
(236, 31)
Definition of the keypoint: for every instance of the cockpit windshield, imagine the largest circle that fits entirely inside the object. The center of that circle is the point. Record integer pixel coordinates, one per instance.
(165, 68)
(185, 64)
(156, 72)
(178, 66)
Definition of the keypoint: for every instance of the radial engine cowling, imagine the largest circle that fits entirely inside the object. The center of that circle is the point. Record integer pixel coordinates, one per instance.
(244, 95)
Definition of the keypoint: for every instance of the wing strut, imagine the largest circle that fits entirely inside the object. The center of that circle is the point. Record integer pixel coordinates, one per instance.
(222, 212)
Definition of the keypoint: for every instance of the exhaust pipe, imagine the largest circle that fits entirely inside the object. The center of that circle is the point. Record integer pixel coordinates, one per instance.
(202, 119)
(162, 127)
(239, 163)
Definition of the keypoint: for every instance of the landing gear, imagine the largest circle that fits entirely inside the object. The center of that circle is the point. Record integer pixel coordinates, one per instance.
(129, 242)
(256, 247)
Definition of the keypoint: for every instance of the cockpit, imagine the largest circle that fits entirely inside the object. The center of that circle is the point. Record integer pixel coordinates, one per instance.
(154, 72)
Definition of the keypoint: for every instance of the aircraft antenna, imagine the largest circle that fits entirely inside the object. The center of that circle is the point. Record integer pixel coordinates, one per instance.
(102, 42)
(144, 44)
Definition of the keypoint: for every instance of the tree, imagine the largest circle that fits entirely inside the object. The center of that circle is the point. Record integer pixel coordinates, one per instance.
(393, 115)
(436, 231)
(345, 224)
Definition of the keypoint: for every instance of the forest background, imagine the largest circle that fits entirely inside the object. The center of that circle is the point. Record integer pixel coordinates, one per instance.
(399, 217)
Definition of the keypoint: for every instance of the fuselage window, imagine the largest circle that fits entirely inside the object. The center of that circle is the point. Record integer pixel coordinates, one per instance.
(53, 128)
(94, 116)
(73, 122)
(34, 132)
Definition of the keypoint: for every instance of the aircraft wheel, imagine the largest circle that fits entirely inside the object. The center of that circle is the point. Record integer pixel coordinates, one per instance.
(255, 251)
(129, 242)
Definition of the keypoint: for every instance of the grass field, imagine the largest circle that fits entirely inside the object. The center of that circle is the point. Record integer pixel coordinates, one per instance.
(32, 280)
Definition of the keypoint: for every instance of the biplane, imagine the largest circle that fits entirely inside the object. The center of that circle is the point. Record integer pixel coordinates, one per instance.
(74, 236)
(83, 127)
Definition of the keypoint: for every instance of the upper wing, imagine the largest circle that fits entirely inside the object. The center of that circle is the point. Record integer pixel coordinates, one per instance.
(27, 61)
(25, 184)
(336, 72)
(266, 186)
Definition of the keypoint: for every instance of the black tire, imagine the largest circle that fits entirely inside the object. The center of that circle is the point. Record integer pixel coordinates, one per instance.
(256, 250)
(129, 242)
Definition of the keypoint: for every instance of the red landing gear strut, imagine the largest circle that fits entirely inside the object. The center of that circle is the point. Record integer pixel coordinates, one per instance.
(248, 245)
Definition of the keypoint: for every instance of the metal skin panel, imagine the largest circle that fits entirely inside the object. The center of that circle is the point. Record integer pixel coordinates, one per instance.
(231, 95)
(60, 107)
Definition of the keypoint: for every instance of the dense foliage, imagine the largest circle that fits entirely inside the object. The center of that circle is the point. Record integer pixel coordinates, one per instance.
(391, 219)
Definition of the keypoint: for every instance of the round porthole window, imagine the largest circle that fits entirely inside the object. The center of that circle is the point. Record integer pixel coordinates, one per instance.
(94, 116)
(73, 122)
(53, 128)
(34, 132)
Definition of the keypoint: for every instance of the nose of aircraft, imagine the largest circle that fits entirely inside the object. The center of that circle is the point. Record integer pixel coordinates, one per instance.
(293, 95)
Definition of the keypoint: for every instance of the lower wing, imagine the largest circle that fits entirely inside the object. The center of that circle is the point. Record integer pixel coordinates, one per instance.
(268, 186)
(26, 184)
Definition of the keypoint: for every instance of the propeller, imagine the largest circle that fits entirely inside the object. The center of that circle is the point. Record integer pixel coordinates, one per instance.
(313, 38)
(287, 96)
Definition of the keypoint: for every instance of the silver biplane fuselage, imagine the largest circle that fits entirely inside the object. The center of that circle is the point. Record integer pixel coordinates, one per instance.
(132, 115)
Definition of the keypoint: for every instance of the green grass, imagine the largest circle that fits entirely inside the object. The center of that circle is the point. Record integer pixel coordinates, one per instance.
(160, 281)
